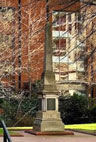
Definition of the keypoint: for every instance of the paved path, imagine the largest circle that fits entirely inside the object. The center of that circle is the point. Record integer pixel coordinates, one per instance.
(78, 137)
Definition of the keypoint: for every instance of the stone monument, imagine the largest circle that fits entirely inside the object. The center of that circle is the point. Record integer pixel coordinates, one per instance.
(48, 118)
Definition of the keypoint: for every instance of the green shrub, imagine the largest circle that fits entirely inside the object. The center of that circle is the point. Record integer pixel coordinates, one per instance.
(22, 110)
(9, 107)
(74, 109)
(92, 113)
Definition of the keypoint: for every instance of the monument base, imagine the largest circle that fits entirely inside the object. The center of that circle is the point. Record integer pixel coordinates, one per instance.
(48, 121)
(49, 133)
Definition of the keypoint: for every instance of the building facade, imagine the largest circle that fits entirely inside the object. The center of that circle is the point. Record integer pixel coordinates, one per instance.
(22, 26)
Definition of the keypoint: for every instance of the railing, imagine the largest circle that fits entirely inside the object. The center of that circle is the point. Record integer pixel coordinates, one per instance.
(6, 135)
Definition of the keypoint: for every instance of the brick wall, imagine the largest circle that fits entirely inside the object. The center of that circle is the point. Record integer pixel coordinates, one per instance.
(30, 30)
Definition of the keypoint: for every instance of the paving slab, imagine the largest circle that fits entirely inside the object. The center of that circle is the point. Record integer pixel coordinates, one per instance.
(77, 137)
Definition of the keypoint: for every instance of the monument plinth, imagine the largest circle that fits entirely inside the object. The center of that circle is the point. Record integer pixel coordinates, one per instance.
(48, 118)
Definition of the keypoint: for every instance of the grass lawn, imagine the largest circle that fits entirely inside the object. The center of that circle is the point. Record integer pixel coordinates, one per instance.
(1, 131)
(91, 126)
(10, 132)
(20, 128)
(86, 127)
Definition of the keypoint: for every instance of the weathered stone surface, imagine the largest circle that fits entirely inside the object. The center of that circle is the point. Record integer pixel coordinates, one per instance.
(48, 121)
(51, 103)
(72, 86)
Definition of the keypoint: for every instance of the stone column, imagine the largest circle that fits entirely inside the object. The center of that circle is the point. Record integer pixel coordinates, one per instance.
(48, 118)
